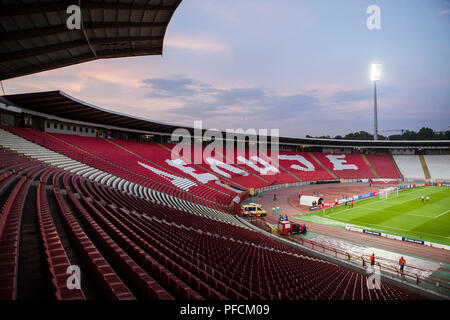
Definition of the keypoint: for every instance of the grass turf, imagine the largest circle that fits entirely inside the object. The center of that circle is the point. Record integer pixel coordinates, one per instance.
(404, 215)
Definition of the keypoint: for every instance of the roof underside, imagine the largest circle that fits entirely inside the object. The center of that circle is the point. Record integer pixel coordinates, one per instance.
(34, 36)
(60, 104)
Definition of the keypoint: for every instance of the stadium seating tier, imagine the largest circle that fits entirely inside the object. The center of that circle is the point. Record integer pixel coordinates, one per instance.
(134, 248)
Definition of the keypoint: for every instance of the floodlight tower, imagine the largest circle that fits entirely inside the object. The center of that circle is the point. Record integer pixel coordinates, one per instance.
(375, 76)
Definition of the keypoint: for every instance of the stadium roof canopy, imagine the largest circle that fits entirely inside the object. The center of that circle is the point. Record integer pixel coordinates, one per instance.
(34, 36)
(62, 105)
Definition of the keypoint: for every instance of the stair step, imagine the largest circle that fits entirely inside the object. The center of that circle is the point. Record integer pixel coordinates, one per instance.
(424, 166)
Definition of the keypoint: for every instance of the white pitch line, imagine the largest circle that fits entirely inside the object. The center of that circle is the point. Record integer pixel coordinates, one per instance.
(417, 215)
(441, 214)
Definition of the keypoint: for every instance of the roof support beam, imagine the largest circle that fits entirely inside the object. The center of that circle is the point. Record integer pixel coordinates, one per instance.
(8, 10)
(125, 6)
(10, 56)
(54, 30)
(140, 50)
(124, 39)
(119, 25)
(35, 32)
(59, 106)
(86, 113)
(15, 55)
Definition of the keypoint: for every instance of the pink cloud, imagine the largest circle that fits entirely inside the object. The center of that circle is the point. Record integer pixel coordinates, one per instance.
(196, 44)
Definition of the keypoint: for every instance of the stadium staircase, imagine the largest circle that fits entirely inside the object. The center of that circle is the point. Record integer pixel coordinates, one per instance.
(281, 166)
(410, 167)
(370, 166)
(438, 166)
(322, 165)
(355, 159)
(384, 165)
(426, 172)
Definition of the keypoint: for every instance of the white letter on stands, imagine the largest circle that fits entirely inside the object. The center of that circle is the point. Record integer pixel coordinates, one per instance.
(309, 166)
(179, 182)
(181, 165)
(339, 162)
(267, 169)
(215, 164)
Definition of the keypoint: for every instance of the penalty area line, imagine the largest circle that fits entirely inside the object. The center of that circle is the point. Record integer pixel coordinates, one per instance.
(441, 214)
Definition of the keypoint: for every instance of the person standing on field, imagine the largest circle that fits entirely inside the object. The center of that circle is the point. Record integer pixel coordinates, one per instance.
(422, 198)
(428, 198)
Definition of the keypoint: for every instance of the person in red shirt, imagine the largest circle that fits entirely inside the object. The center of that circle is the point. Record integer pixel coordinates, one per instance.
(372, 259)
(402, 262)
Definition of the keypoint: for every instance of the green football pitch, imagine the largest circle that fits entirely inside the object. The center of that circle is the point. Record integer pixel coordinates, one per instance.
(403, 215)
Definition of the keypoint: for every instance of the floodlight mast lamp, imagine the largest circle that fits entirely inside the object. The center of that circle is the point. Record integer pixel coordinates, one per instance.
(375, 76)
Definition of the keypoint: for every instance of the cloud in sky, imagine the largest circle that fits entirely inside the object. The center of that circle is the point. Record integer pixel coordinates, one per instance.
(203, 44)
(446, 10)
(360, 94)
(205, 99)
(163, 87)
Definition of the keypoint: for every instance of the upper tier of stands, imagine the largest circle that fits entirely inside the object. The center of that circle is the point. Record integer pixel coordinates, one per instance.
(130, 248)
(217, 176)
(152, 165)
(295, 166)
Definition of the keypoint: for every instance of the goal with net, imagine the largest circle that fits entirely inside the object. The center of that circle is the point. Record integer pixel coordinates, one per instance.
(388, 193)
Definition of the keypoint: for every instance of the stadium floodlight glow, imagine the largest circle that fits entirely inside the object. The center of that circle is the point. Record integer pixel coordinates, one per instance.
(375, 74)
